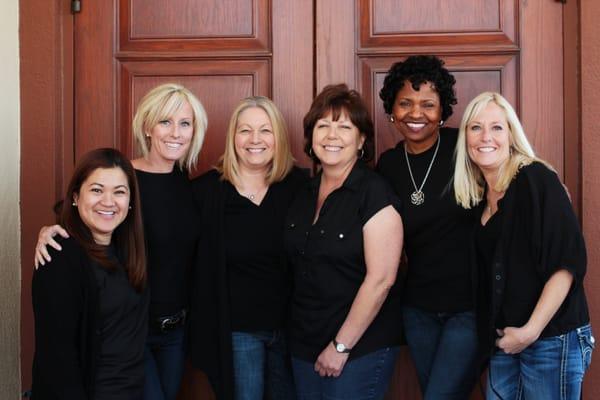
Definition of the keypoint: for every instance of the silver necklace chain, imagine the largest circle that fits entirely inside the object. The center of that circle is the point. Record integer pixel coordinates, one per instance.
(418, 197)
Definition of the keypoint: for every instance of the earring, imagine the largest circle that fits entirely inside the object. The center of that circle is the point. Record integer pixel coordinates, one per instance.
(74, 204)
(311, 153)
(361, 152)
(130, 207)
(392, 119)
(441, 123)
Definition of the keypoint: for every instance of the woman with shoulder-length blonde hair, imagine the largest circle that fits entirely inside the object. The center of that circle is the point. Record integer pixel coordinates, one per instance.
(242, 286)
(531, 258)
(169, 127)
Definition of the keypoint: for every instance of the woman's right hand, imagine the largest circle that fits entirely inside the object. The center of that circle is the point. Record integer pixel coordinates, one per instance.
(46, 238)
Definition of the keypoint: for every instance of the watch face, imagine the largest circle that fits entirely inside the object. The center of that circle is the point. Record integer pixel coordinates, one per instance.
(340, 348)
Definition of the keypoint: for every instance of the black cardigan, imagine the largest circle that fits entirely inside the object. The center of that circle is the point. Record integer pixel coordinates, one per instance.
(65, 306)
(539, 235)
(209, 324)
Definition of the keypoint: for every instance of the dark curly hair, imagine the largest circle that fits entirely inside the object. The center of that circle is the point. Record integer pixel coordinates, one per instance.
(338, 99)
(418, 70)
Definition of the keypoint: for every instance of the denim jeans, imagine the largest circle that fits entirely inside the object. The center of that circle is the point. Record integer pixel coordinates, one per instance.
(443, 347)
(549, 369)
(364, 378)
(164, 357)
(261, 362)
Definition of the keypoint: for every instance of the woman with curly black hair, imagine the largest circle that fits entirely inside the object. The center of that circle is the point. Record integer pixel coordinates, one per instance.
(439, 321)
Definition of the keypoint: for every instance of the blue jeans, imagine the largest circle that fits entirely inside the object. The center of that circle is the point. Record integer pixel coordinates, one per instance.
(261, 362)
(549, 369)
(443, 347)
(163, 358)
(364, 378)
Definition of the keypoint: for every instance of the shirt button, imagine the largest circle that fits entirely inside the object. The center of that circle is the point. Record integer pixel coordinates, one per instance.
(306, 233)
(302, 252)
(498, 265)
(292, 225)
(341, 235)
(498, 291)
(498, 277)
(322, 232)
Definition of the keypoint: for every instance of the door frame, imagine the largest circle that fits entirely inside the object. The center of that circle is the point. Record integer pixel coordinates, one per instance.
(47, 148)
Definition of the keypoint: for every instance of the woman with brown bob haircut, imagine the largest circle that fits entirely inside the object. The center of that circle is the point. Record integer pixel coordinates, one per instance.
(343, 239)
(91, 307)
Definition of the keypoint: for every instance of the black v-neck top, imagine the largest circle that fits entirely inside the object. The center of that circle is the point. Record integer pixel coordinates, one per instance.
(259, 285)
(329, 266)
(437, 233)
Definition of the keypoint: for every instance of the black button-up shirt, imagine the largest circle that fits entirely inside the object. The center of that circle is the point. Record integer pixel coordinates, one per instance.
(329, 264)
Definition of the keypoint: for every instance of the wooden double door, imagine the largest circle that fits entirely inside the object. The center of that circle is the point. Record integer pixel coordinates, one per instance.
(224, 50)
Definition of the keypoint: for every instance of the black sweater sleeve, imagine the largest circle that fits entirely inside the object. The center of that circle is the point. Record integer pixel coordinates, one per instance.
(58, 307)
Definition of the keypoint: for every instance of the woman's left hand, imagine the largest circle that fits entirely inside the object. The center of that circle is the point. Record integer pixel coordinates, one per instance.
(330, 362)
(514, 340)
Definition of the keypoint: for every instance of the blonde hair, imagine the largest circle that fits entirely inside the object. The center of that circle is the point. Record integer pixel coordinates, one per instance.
(469, 184)
(161, 103)
(283, 161)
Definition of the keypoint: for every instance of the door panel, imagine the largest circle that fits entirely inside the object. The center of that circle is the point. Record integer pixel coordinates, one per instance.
(195, 27)
(410, 25)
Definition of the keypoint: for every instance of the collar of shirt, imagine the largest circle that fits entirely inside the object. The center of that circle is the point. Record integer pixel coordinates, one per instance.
(352, 182)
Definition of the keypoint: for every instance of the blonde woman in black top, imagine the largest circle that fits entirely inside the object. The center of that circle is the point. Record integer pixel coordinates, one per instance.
(169, 127)
(239, 305)
(531, 255)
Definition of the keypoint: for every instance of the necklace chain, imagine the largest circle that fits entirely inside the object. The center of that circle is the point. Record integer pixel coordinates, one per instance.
(418, 197)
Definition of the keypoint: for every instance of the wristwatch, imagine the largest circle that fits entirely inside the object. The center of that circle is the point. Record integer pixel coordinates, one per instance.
(340, 347)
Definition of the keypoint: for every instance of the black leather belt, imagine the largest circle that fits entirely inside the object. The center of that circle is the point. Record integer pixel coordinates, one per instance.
(168, 323)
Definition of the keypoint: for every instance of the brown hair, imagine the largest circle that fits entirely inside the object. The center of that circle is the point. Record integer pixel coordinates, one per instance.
(337, 100)
(128, 237)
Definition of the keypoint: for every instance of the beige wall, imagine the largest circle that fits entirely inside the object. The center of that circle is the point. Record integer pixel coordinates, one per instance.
(10, 272)
(590, 154)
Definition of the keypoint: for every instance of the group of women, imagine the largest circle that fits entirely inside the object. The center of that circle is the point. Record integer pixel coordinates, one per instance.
(282, 286)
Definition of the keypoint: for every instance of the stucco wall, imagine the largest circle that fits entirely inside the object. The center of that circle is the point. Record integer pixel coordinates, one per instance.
(590, 124)
(10, 271)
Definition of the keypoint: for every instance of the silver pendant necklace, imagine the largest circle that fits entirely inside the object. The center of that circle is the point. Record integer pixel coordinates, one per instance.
(418, 197)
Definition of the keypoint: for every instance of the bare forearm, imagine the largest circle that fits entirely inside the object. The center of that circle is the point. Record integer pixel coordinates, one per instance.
(554, 293)
(366, 305)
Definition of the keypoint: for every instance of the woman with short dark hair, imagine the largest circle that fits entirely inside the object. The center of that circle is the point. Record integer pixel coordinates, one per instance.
(344, 329)
(438, 312)
(91, 307)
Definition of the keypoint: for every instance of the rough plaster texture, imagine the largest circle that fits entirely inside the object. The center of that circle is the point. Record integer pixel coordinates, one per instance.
(590, 125)
(10, 271)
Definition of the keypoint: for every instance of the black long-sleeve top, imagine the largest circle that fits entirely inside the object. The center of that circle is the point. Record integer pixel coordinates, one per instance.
(70, 330)
(171, 228)
(538, 235)
(210, 319)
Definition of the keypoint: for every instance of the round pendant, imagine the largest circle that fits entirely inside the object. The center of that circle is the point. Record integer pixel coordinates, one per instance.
(417, 198)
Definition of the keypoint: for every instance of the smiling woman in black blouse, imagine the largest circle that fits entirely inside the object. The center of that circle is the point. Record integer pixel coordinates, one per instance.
(343, 238)
(531, 255)
(241, 283)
